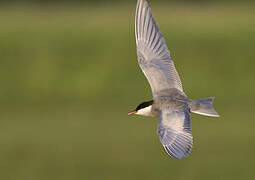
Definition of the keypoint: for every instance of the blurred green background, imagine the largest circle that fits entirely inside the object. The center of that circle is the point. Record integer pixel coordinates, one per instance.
(69, 76)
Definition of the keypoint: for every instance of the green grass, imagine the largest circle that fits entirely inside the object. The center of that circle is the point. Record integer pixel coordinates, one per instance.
(69, 76)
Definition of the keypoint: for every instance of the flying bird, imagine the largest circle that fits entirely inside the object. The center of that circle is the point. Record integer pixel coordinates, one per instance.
(170, 104)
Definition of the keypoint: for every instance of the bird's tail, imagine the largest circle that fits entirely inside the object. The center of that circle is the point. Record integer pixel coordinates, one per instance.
(203, 107)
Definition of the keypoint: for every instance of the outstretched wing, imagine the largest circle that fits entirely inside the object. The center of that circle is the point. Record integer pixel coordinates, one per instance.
(153, 54)
(174, 131)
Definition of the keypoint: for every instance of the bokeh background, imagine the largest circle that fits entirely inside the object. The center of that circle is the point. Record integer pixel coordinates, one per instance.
(69, 76)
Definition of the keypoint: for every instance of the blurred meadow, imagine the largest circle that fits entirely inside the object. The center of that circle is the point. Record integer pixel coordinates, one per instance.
(69, 76)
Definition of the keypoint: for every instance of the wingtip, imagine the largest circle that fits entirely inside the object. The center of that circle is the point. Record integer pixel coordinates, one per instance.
(142, 1)
(180, 148)
(176, 154)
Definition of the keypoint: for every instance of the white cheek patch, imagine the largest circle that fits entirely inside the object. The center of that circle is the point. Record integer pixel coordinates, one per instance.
(145, 111)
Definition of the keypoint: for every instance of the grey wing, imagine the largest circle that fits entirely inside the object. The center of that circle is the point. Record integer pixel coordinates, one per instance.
(153, 54)
(174, 131)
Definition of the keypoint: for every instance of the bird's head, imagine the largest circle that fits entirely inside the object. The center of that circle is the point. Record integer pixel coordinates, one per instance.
(143, 109)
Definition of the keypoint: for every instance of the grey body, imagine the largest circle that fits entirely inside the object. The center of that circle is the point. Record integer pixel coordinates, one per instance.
(170, 103)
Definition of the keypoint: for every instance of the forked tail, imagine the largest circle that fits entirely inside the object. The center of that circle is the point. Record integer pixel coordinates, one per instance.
(203, 107)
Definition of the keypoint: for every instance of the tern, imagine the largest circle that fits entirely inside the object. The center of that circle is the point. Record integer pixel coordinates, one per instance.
(170, 104)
